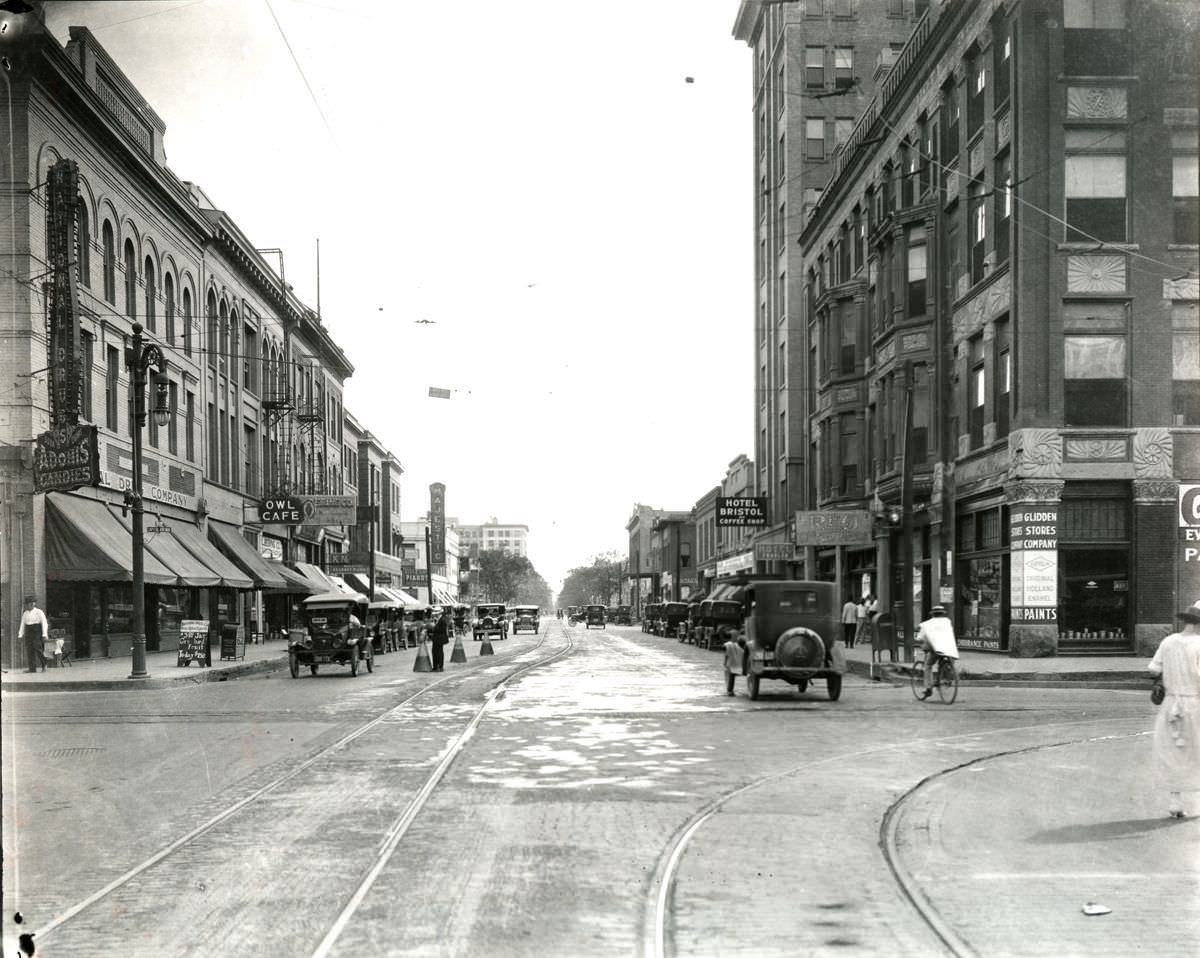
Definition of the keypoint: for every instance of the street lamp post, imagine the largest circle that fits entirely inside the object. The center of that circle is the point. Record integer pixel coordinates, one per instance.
(139, 358)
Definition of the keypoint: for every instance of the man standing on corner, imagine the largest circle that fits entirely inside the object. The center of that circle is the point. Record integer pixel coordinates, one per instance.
(34, 630)
(441, 636)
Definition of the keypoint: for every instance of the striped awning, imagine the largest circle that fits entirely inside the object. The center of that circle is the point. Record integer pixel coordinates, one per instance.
(442, 597)
(316, 576)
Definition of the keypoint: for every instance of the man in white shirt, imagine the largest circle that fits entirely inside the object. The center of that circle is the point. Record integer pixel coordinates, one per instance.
(34, 630)
(936, 634)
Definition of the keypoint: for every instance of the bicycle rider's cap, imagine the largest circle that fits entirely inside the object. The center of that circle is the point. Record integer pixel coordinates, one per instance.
(938, 610)
(1191, 613)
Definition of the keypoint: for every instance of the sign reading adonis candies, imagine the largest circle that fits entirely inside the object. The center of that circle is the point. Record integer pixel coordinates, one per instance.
(741, 510)
(66, 458)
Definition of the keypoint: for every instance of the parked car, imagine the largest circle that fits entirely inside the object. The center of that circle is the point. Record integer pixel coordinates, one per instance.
(792, 631)
(573, 614)
(525, 617)
(490, 619)
(672, 616)
(720, 622)
(688, 630)
(650, 617)
(331, 637)
(596, 615)
(623, 615)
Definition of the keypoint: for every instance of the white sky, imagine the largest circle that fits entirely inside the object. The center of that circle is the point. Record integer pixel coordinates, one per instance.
(538, 179)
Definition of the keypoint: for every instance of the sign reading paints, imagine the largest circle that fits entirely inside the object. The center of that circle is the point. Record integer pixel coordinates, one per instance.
(1033, 567)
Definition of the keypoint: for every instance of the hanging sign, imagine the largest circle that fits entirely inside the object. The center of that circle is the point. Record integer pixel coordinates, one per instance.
(741, 510)
(66, 458)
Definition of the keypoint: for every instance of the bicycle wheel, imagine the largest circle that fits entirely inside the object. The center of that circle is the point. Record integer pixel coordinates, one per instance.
(917, 680)
(947, 680)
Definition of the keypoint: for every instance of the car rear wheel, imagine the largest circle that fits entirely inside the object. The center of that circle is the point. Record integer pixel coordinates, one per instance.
(802, 686)
(354, 661)
(370, 660)
(294, 665)
(834, 686)
(313, 668)
(752, 686)
(729, 681)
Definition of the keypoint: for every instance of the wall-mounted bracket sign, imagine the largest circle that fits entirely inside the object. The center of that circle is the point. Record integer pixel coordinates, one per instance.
(741, 510)
(287, 510)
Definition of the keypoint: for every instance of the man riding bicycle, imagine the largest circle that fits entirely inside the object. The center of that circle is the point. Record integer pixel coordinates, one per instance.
(936, 636)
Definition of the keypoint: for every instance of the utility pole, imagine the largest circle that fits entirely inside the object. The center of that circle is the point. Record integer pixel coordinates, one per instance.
(428, 567)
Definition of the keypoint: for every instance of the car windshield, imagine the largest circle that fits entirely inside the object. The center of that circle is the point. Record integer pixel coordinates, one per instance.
(797, 600)
(334, 618)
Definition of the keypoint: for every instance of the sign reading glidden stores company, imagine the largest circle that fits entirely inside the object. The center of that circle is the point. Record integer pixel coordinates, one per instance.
(66, 458)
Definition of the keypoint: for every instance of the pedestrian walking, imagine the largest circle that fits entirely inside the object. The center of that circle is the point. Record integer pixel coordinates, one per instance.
(862, 631)
(35, 630)
(849, 622)
(440, 636)
(1177, 725)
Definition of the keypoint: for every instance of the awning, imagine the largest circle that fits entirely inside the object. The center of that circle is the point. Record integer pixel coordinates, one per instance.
(86, 543)
(189, 571)
(193, 540)
(315, 575)
(396, 595)
(235, 547)
(357, 581)
(343, 586)
(443, 597)
(294, 582)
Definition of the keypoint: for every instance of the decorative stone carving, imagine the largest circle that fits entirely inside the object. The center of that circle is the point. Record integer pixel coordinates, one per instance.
(938, 490)
(1097, 103)
(1181, 116)
(1181, 289)
(1004, 128)
(1096, 274)
(991, 468)
(1033, 490)
(1034, 453)
(1096, 449)
(976, 159)
(1155, 491)
(914, 342)
(989, 304)
(1153, 454)
(847, 394)
(951, 184)
(887, 353)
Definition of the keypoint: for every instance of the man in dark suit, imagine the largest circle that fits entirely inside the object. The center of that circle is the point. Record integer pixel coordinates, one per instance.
(441, 636)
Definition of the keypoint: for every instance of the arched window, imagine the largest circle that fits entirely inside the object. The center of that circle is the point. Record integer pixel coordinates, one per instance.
(211, 342)
(110, 263)
(223, 347)
(265, 371)
(187, 321)
(151, 321)
(169, 307)
(319, 474)
(83, 243)
(235, 344)
(130, 280)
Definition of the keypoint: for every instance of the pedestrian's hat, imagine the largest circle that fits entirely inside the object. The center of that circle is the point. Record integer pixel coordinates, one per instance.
(1191, 613)
(938, 610)
(30, 598)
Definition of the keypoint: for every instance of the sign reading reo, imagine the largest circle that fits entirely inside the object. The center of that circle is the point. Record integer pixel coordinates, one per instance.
(741, 510)
(834, 527)
(66, 458)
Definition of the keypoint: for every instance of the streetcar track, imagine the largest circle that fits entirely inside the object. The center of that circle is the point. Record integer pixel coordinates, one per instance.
(324, 752)
(663, 884)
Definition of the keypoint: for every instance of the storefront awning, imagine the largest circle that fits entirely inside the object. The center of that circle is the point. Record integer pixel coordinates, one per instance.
(442, 597)
(87, 543)
(396, 595)
(160, 542)
(235, 547)
(193, 540)
(316, 576)
(294, 582)
(343, 586)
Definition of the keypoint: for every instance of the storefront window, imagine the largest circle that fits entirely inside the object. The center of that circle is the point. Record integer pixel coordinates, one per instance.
(1093, 597)
(981, 602)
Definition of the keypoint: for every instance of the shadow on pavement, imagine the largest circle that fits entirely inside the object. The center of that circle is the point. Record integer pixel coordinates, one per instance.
(1102, 831)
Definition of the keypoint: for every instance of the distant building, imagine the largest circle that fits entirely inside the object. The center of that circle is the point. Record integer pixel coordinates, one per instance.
(492, 535)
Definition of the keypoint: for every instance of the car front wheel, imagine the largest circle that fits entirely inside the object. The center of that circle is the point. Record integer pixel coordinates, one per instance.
(354, 661)
(834, 686)
(294, 665)
(752, 686)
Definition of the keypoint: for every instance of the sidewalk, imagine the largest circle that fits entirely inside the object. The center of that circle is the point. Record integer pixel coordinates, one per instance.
(1116, 671)
(106, 674)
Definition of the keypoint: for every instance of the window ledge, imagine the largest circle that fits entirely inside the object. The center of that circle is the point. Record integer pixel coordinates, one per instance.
(1098, 248)
(1183, 247)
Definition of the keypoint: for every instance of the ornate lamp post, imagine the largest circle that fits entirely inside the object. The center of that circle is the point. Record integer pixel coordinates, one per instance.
(139, 358)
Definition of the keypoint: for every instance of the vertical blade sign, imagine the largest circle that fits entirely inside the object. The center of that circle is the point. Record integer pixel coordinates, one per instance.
(62, 333)
(437, 523)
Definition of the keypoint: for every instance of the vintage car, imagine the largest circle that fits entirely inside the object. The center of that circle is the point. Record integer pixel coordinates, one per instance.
(490, 619)
(525, 617)
(623, 615)
(650, 616)
(573, 614)
(792, 632)
(720, 622)
(596, 615)
(460, 616)
(689, 629)
(417, 620)
(385, 621)
(331, 636)
(671, 617)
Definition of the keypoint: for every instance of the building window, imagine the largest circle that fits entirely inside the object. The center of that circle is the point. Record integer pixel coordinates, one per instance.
(1001, 61)
(975, 99)
(83, 242)
(1095, 39)
(843, 67)
(848, 342)
(187, 322)
(977, 401)
(843, 126)
(112, 377)
(950, 125)
(88, 343)
(781, 156)
(110, 263)
(1003, 206)
(169, 307)
(848, 454)
(978, 231)
(843, 8)
(814, 67)
(1185, 199)
(860, 238)
(1096, 204)
(1003, 379)
(1094, 381)
(130, 280)
(1185, 376)
(173, 422)
(895, 8)
(814, 138)
(250, 466)
(151, 293)
(211, 342)
(917, 273)
(250, 359)
(214, 455)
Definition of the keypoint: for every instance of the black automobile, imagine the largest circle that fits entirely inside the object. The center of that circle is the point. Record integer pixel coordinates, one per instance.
(333, 634)
(792, 632)
(671, 619)
(596, 615)
(490, 619)
(525, 617)
(623, 615)
(720, 622)
(650, 617)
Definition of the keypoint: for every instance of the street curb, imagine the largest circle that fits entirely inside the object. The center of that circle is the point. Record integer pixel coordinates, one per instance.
(899, 672)
(186, 676)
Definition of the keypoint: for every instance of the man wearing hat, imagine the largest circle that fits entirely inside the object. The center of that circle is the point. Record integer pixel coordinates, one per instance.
(34, 630)
(936, 634)
(1177, 725)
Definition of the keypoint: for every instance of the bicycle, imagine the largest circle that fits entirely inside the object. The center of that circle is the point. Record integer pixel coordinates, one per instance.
(944, 678)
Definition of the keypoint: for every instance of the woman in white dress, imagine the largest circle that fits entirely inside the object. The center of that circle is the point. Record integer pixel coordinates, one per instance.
(1177, 726)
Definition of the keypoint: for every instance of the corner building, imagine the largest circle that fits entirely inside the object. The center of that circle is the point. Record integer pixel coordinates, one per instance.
(1017, 200)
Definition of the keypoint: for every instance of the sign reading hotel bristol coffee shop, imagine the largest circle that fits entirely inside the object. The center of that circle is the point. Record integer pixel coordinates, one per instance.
(741, 510)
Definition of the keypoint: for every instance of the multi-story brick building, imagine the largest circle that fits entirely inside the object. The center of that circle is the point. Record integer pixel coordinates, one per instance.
(1016, 201)
(815, 68)
(492, 535)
